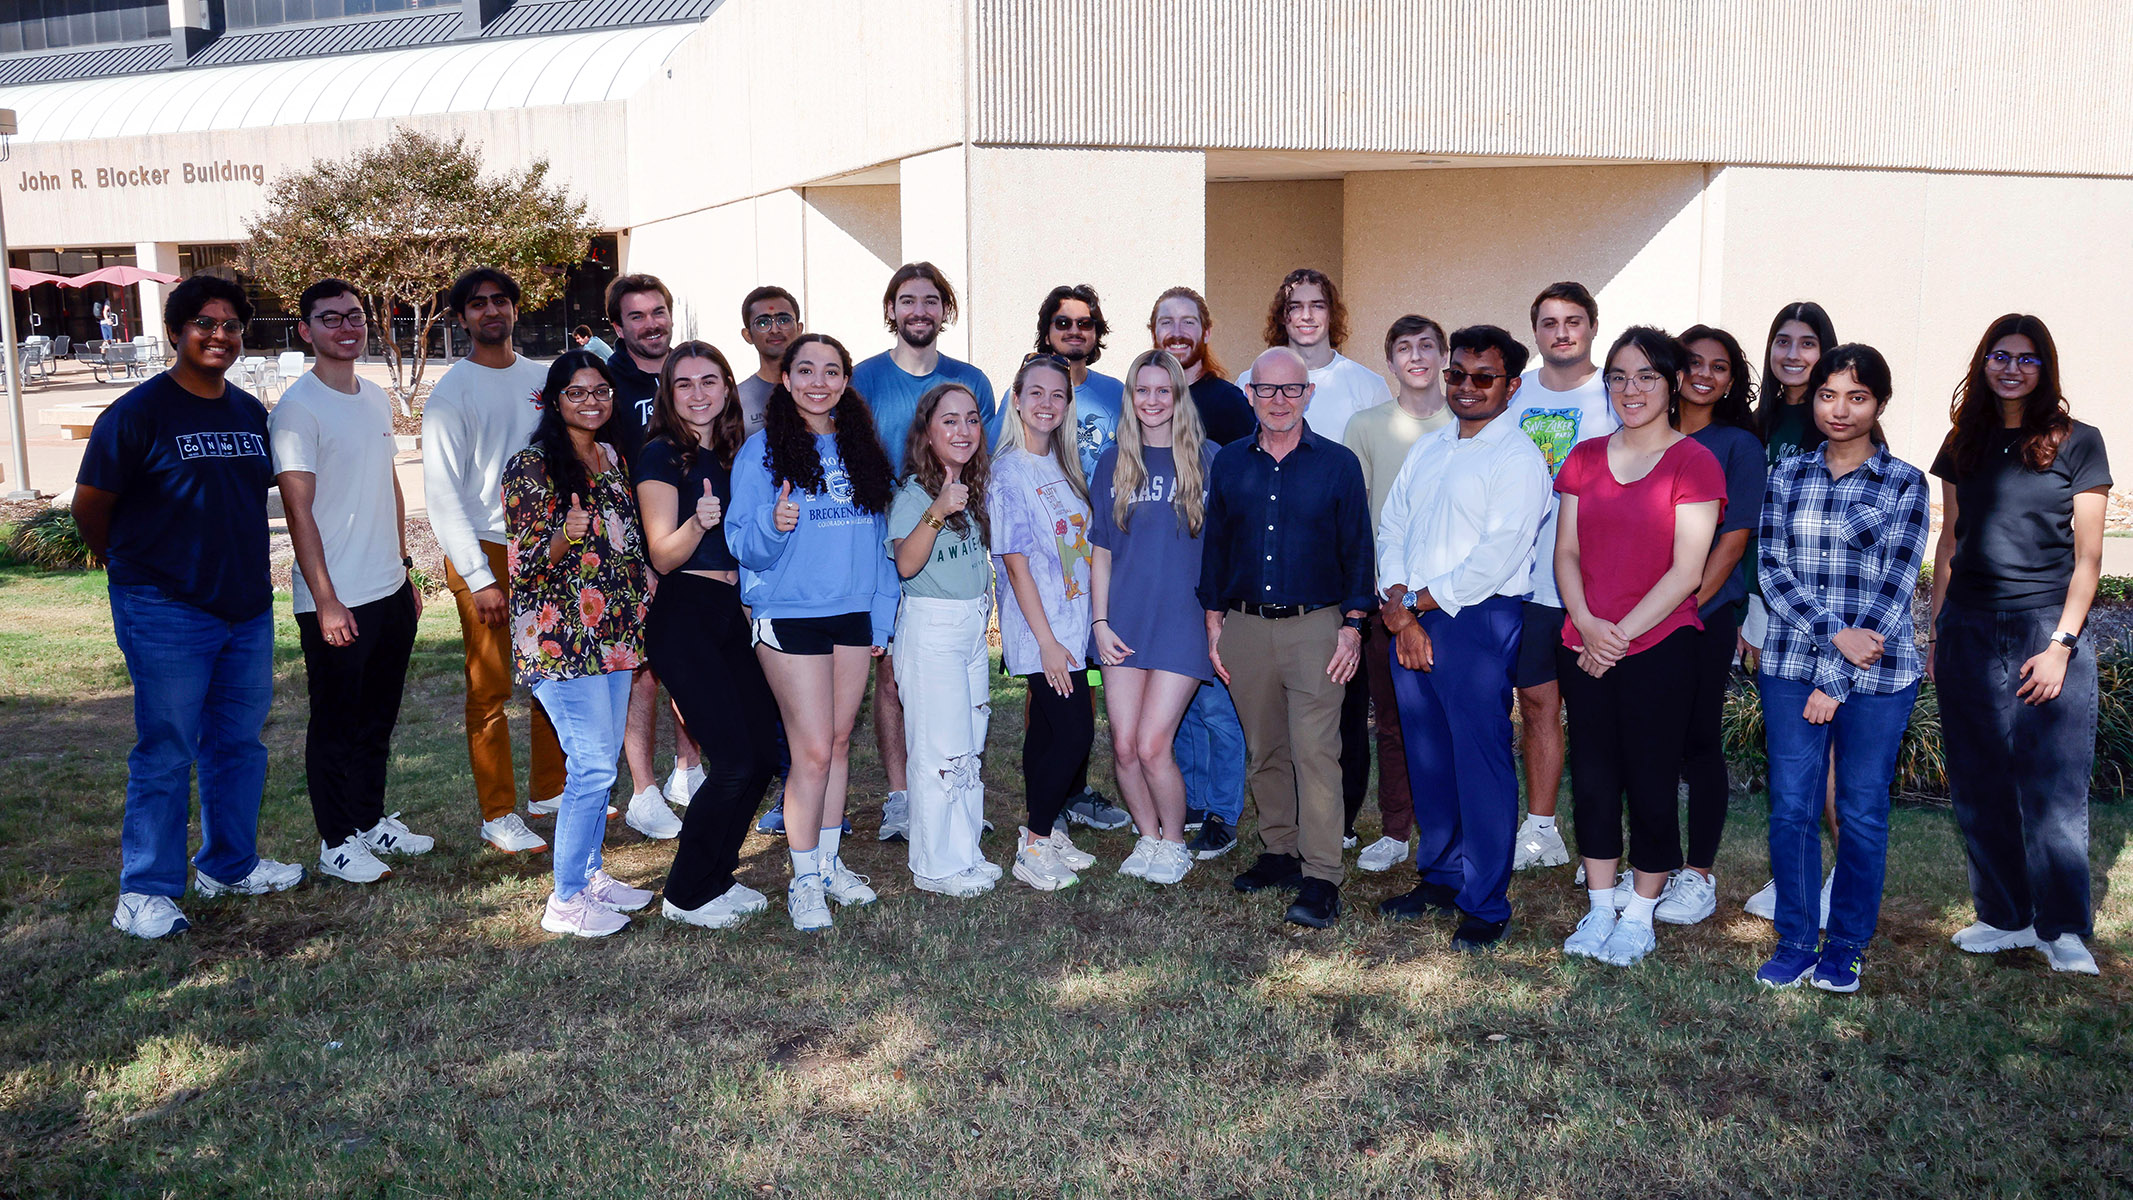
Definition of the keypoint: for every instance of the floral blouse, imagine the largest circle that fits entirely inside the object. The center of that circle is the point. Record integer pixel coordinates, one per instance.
(582, 616)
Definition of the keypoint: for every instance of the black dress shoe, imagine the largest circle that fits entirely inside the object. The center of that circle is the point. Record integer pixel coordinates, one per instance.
(1317, 904)
(1427, 899)
(1476, 936)
(1271, 871)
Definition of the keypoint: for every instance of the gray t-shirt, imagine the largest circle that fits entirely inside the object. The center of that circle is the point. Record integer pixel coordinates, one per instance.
(959, 568)
(755, 400)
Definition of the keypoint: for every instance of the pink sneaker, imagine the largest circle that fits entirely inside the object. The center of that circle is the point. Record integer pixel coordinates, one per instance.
(581, 915)
(609, 892)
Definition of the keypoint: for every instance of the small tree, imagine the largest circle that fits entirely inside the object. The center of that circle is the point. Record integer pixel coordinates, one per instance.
(401, 220)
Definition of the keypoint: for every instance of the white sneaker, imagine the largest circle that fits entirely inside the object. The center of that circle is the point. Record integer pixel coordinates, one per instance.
(1591, 935)
(1170, 863)
(1144, 852)
(803, 899)
(895, 817)
(352, 861)
(1038, 865)
(1628, 944)
(649, 815)
(2067, 953)
(1829, 883)
(1690, 897)
(846, 886)
(1764, 903)
(389, 836)
(582, 916)
(1382, 855)
(1538, 847)
(748, 898)
(267, 876)
(509, 834)
(962, 885)
(1625, 888)
(1981, 938)
(723, 911)
(146, 916)
(610, 892)
(1349, 841)
(682, 783)
(554, 805)
(1071, 856)
(991, 870)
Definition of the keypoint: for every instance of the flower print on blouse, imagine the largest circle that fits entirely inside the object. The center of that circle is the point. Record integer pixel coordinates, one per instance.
(583, 615)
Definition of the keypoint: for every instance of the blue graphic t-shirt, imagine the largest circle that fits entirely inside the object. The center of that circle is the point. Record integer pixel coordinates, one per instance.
(1558, 421)
(1098, 400)
(191, 475)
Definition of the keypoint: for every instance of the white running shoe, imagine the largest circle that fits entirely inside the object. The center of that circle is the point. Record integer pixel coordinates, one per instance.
(682, 784)
(1144, 852)
(1981, 938)
(1764, 903)
(1382, 855)
(146, 916)
(581, 916)
(1594, 928)
(267, 876)
(609, 892)
(1349, 841)
(1071, 856)
(804, 900)
(389, 836)
(723, 911)
(962, 885)
(1628, 944)
(1538, 847)
(1829, 884)
(992, 870)
(352, 861)
(649, 815)
(509, 834)
(751, 901)
(1690, 897)
(1625, 888)
(554, 805)
(1170, 863)
(1037, 864)
(846, 886)
(2067, 953)
(895, 817)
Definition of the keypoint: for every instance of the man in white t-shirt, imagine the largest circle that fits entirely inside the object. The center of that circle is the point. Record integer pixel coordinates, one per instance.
(1560, 403)
(332, 435)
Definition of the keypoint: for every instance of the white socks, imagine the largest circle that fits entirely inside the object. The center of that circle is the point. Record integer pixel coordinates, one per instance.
(828, 844)
(1602, 900)
(1640, 909)
(1541, 822)
(804, 863)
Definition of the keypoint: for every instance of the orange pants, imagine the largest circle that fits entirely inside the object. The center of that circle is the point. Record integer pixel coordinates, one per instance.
(488, 650)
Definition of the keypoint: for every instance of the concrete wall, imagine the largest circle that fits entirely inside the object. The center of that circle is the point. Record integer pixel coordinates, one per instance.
(1257, 232)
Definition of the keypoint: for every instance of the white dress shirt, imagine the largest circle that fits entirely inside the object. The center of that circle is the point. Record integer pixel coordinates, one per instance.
(1464, 514)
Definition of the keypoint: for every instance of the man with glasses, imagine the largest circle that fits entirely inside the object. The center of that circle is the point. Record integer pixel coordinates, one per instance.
(172, 497)
(1559, 403)
(1455, 559)
(1286, 578)
(355, 608)
(770, 320)
(482, 412)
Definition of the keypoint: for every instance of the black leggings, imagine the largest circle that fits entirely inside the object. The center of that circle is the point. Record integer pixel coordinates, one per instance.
(1055, 746)
(697, 640)
(1703, 755)
(1355, 749)
(1626, 733)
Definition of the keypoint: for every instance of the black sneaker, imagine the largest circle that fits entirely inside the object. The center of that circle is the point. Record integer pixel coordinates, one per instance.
(1426, 899)
(1271, 871)
(1194, 818)
(1317, 904)
(1091, 809)
(1214, 840)
(1476, 936)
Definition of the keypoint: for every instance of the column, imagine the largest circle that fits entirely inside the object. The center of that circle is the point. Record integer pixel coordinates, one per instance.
(154, 256)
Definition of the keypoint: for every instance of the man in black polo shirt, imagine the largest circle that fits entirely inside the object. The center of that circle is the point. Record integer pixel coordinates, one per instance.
(1286, 577)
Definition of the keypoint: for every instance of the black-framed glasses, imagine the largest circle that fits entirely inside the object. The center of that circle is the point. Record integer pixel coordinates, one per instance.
(767, 321)
(1999, 359)
(1481, 379)
(579, 395)
(1267, 391)
(1642, 381)
(1063, 322)
(209, 325)
(335, 320)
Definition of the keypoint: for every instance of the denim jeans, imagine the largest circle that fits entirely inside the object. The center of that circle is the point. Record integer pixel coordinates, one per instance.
(201, 689)
(1865, 733)
(2019, 773)
(1210, 750)
(589, 713)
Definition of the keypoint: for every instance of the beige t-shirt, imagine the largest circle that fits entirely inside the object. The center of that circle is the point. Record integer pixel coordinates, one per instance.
(1381, 436)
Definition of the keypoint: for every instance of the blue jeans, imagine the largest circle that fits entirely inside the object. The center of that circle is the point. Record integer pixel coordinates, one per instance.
(201, 689)
(1210, 751)
(588, 714)
(1865, 733)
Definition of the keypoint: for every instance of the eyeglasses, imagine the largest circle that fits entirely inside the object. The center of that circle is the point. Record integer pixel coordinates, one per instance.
(578, 395)
(1481, 379)
(208, 325)
(1642, 381)
(1081, 323)
(334, 320)
(1267, 391)
(1999, 359)
(772, 321)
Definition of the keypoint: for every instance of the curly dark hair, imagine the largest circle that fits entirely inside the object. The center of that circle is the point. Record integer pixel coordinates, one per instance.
(1976, 411)
(1731, 408)
(727, 429)
(923, 465)
(1050, 308)
(566, 473)
(791, 443)
(1277, 313)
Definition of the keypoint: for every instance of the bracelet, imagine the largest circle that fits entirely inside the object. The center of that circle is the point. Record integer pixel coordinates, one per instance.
(938, 522)
(1101, 621)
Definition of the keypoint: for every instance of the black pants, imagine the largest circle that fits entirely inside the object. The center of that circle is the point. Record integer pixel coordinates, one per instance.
(697, 640)
(355, 702)
(1626, 733)
(1703, 756)
(1055, 747)
(1355, 748)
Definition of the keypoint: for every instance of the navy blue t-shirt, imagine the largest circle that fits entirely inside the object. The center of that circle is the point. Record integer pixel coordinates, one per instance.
(191, 476)
(1224, 412)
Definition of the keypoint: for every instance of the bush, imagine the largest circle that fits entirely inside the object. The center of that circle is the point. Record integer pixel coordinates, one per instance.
(49, 538)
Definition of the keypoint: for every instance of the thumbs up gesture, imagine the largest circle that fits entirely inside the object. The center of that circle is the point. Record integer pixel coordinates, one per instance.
(954, 498)
(786, 516)
(708, 509)
(577, 520)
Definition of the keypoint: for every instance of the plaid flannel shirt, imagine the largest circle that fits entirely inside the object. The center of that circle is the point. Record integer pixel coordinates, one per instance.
(1839, 553)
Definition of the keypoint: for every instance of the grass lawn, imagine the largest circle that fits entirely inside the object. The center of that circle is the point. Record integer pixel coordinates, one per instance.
(424, 1038)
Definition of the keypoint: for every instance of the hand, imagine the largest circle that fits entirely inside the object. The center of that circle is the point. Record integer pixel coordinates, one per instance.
(1929, 663)
(335, 623)
(786, 516)
(577, 521)
(877, 651)
(1111, 650)
(417, 594)
(708, 509)
(492, 606)
(1820, 708)
(1750, 653)
(1413, 648)
(1058, 667)
(1214, 641)
(1592, 664)
(954, 498)
(1392, 613)
(1604, 639)
(1861, 647)
(1347, 655)
(2044, 675)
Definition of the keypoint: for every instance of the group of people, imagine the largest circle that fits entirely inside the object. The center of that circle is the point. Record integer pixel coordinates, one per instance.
(1271, 576)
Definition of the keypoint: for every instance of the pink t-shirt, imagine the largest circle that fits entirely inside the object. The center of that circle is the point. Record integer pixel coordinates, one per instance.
(1626, 531)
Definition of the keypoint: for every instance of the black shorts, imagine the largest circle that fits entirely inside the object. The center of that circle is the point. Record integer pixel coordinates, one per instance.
(812, 635)
(1536, 645)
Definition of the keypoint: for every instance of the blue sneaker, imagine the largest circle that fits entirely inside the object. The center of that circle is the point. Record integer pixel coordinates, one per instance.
(772, 822)
(1838, 970)
(1786, 968)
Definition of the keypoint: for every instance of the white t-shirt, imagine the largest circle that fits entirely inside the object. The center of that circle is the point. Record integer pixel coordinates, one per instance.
(477, 418)
(1557, 421)
(1341, 389)
(347, 442)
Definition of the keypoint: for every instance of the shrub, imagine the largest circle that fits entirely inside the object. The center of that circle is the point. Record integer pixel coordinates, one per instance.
(49, 538)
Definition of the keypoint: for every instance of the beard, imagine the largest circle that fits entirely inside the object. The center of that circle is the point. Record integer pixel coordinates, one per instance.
(1190, 355)
(919, 334)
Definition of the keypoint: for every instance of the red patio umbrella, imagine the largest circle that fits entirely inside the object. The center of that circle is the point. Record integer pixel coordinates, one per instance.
(23, 280)
(120, 276)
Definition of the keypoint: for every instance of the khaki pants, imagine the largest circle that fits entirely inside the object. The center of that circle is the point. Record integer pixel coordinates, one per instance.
(488, 650)
(1291, 713)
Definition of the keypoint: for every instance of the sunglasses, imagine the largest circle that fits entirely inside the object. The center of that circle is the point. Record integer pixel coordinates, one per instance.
(209, 325)
(1482, 379)
(1081, 323)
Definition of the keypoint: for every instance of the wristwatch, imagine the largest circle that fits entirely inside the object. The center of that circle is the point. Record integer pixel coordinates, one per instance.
(1408, 602)
(2072, 641)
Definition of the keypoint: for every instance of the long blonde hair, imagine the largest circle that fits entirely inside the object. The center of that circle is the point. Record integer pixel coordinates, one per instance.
(1187, 438)
(1065, 449)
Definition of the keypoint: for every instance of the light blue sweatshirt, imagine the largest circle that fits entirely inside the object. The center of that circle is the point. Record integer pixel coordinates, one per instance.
(830, 564)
